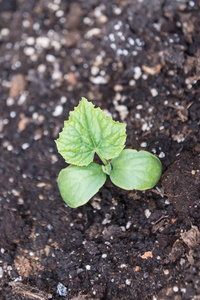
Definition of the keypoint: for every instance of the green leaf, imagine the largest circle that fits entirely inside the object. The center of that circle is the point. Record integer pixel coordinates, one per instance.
(88, 131)
(107, 169)
(135, 170)
(78, 184)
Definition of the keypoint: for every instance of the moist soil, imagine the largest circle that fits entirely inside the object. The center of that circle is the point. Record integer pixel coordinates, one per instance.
(139, 61)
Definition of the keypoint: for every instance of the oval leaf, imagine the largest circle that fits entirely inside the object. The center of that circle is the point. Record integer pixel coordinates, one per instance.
(78, 184)
(88, 131)
(135, 170)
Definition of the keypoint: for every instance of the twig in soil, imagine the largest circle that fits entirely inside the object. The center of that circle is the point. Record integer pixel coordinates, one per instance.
(160, 224)
(159, 192)
(162, 194)
(27, 290)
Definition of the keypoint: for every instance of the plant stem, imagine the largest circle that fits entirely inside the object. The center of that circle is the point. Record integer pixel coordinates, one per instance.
(102, 159)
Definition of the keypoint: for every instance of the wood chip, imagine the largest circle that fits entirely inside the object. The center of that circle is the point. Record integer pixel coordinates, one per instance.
(71, 78)
(28, 291)
(152, 70)
(137, 269)
(191, 237)
(41, 184)
(1, 125)
(147, 254)
(17, 86)
(22, 124)
(47, 250)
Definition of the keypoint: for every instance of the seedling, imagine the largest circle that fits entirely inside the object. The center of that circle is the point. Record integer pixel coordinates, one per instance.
(87, 132)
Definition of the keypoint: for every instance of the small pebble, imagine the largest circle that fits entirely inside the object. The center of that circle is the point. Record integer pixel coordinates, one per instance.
(161, 155)
(22, 98)
(117, 26)
(30, 41)
(5, 121)
(102, 73)
(50, 227)
(29, 51)
(144, 76)
(111, 37)
(58, 111)
(1, 272)
(182, 261)
(56, 45)
(175, 289)
(25, 23)
(36, 26)
(16, 65)
(99, 80)
(9, 147)
(92, 32)
(192, 3)
(145, 127)
(63, 99)
(97, 12)
(137, 116)
(50, 58)
(41, 68)
(10, 101)
(125, 52)
(132, 82)
(103, 19)
(128, 224)
(154, 92)
(143, 144)
(87, 21)
(94, 70)
(128, 281)
(53, 6)
(117, 10)
(59, 13)
(25, 146)
(113, 46)
(137, 73)
(57, 75)
(43, 42)
(12, 114)
(20, 201)
(147, 213)
(118, 88)
(5, 31)
(15, 192)
(123, 111)
(35, 116)
(61, 290)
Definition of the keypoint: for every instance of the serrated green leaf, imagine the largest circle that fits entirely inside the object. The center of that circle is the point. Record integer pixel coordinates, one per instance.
(88, 131)
(78, 184)
(135, 170)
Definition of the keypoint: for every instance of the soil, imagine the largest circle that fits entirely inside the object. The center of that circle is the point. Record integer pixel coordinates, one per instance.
(140, 62)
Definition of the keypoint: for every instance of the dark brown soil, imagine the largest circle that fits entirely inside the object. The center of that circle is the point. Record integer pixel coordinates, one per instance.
(140, 62)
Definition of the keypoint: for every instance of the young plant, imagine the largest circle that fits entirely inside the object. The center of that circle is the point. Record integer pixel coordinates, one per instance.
(87, 132)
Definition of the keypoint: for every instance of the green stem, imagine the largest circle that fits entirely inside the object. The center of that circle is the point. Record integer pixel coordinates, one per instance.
(103, 159)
